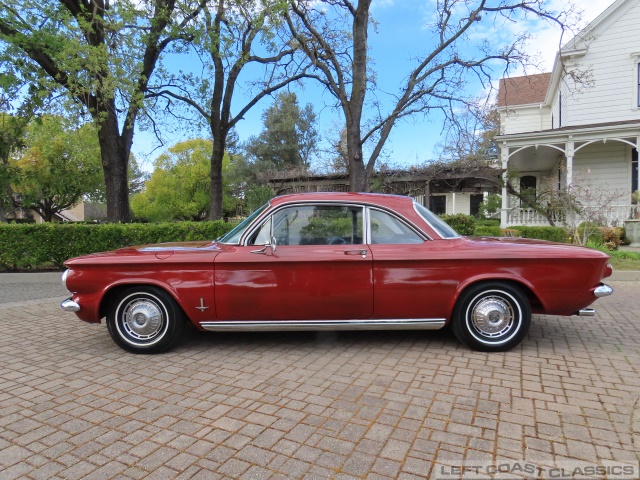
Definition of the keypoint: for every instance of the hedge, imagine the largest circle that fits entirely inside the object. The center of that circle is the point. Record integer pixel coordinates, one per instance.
(461, 223)
(553, 234)
(484, 231)
(24, 246)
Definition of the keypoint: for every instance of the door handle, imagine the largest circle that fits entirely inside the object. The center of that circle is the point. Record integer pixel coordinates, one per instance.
(356, 252)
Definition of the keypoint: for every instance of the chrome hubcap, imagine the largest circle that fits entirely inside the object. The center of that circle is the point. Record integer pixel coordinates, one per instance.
(492, 316)
(143, 319)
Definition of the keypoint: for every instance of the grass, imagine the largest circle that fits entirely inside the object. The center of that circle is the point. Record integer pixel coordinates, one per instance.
(622, 260)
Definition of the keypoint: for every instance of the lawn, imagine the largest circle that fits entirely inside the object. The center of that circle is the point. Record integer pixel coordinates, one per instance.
(623, 260)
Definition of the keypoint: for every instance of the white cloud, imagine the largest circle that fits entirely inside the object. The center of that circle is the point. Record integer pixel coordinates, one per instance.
(546, 40)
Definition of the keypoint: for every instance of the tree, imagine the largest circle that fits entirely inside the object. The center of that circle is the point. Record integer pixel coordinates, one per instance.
(58, 166)
(334, 36)
(103, 55)
(12, 131)
(232, 37)
(469, 136)
(179, 186)
(289, 137)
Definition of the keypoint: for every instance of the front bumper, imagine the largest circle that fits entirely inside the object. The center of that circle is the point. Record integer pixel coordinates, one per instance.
(69, 305)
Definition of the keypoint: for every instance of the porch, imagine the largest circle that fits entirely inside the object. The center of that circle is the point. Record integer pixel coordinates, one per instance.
(613, 215)
(596, 164)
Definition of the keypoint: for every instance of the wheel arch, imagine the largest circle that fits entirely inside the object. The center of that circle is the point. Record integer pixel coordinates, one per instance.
(115, 289)
(526, 288)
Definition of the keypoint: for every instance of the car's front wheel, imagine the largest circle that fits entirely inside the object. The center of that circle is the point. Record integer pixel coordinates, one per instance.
(493, 316)
(145, 319)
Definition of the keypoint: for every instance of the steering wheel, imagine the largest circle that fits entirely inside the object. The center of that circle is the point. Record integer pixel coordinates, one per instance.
(336, 241)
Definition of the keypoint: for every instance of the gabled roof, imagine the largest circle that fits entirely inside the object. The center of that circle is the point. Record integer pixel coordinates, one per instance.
(523, 90)
(598, 23)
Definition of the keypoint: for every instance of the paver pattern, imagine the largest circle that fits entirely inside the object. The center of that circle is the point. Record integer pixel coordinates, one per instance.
(304, 405)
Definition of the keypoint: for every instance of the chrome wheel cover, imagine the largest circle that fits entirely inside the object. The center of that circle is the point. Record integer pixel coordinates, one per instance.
(492, 316)
(142, 320)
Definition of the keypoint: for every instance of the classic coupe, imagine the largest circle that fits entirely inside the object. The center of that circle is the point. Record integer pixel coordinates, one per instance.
(335, 261)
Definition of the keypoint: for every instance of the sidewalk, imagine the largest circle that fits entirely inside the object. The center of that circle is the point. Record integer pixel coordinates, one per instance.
(348, 406)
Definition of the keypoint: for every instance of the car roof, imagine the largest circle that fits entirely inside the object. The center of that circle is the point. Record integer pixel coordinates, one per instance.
(381, 199)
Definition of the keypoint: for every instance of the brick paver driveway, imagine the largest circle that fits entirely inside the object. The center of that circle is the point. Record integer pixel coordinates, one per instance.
(349, 405)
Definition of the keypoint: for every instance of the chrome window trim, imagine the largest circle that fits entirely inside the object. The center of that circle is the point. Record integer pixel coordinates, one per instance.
(401, 219)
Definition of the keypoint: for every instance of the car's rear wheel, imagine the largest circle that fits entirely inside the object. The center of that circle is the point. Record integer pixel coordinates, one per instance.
(145, 319)
(492, 316)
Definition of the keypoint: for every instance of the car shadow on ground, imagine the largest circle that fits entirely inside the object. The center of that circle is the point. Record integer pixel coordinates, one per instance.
(194, 338)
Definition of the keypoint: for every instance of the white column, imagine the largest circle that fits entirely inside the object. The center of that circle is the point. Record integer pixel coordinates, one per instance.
(638, 149)
(569, 149)
(504, 157)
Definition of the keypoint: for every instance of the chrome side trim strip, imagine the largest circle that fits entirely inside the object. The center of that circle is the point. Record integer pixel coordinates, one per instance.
(69, 305)
(300, 325)
(603, 291)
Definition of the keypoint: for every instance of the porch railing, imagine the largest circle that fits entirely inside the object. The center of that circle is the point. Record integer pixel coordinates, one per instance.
(529, 217)
(615, 215)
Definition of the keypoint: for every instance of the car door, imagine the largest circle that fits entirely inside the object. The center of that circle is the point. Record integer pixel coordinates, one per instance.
(320, 269)
(407, 282)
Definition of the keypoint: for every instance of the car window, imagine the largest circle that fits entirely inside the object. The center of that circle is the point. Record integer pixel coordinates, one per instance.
(233, 237)
(263, 235)
(444, 230)
(387, 229)
(318, 225)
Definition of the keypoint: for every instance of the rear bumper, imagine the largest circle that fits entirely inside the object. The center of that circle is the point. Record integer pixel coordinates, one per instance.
(603, 290)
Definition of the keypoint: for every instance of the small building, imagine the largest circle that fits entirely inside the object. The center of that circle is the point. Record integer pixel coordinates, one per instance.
(442, 189)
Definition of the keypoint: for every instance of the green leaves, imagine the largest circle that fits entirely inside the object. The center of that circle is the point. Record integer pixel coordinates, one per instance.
(58, 165)
(179, 188)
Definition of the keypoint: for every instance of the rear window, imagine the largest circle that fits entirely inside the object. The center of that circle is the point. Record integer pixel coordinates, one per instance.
(442, 228)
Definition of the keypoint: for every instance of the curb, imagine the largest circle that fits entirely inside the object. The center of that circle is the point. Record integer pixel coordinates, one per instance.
(624, 276)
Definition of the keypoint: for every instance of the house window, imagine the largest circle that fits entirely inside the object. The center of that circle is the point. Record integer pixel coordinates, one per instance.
(438, 204)
(528, 185)
(634, 170)
(474, 203)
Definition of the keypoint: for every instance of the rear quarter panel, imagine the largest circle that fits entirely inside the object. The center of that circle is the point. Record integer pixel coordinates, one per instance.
(425, 281)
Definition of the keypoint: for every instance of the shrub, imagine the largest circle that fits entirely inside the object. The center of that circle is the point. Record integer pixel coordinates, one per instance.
(34, 246)
(487, 231)
(461, 223)
(487, 222)
(611, 237)
(553, 234)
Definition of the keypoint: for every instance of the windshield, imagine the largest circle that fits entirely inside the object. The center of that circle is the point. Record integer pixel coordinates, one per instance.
(443, 229)
(233, 237)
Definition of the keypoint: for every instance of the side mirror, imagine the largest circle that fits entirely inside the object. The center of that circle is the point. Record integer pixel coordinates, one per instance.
(272, 245)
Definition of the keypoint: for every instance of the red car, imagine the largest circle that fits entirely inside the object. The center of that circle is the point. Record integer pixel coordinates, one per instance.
(334, 261)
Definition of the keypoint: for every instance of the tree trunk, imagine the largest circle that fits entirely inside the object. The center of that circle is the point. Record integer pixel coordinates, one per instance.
(358, 178)
(115, 165)
(219, 144)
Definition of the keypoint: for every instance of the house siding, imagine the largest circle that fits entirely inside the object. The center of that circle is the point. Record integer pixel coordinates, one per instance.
(610, 57)
(604, 168)
(527, 119)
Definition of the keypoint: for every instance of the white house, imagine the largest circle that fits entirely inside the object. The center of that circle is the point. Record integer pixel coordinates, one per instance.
(578, 127)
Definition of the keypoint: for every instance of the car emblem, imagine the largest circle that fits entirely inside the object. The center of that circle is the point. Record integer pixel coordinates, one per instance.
(202, 308)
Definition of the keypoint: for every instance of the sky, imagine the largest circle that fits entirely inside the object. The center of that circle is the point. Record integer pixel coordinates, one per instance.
(400, 36)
